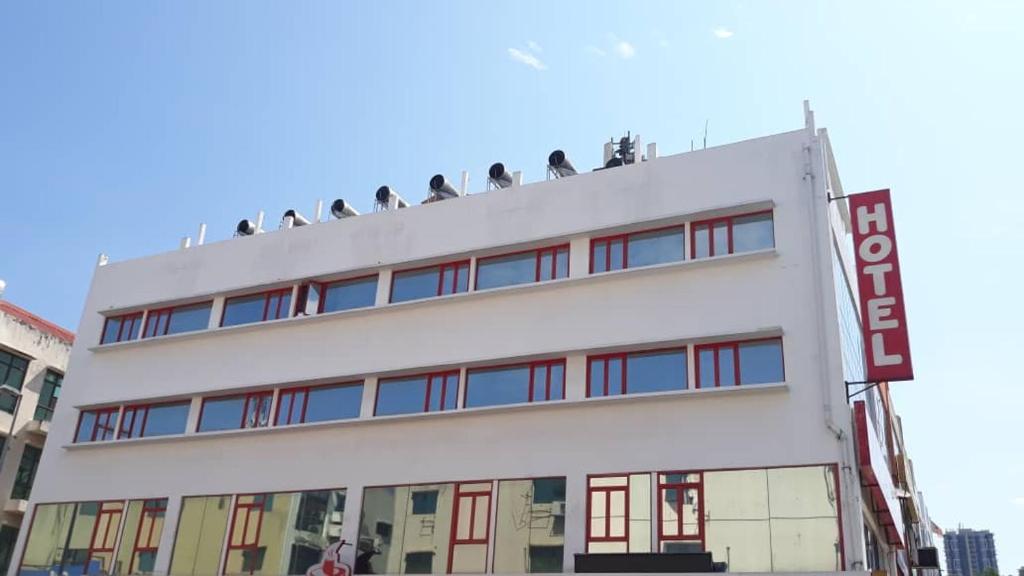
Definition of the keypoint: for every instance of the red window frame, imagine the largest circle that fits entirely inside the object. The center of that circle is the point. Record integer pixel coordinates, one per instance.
(106, 421)
(680, 488)
(445, 388)
(624, 238)
(733, 345)
(539, 254)
(303, 293)
(537, 386)
(256, 506)
(164, 315)
(710, 224)
(442, 290)
(259, 397)
(122, 334)
(133, 412)
(150, 511)
(473, 496)
(291, 393)
(607, 490)
(622, 357)
(109, 541)
(268, 296)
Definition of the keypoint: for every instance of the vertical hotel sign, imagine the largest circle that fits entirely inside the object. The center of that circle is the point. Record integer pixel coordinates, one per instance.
(883, 315)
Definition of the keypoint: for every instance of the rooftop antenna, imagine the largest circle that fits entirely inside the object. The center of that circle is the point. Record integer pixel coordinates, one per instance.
(706, 133)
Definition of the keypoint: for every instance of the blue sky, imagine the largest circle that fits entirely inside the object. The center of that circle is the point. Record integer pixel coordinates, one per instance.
(125, 124)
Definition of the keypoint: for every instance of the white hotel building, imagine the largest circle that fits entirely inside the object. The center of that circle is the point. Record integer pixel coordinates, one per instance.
(631, 369)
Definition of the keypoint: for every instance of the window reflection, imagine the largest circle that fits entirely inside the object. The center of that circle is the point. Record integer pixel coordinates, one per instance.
(349, 294)
(658, 247)
(202, 527)
(619, 517)
(535, 382)
(754, 232)
(234, 412)
(319, 403)
(257, 307)
(72, 538)
(154, 420)
(430, 282)
(412, 394)
(740, 363)
(179, 319)
(402, 533)
(522, 268)
(530, 526)
(140, 538)
(733, 235)
(637, 373)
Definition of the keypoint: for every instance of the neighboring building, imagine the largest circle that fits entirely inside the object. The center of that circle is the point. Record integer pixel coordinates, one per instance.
(33, 358)
(970, 552)
(642, 359)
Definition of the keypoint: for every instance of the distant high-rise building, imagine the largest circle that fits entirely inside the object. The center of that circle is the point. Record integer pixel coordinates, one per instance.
(970, 552)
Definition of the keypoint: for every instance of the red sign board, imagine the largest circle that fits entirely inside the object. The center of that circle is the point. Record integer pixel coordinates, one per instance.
(886, 343)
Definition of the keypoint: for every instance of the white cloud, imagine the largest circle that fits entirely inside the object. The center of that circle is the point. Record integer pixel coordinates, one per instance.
(624, 49)
(526, 58)
(722, 33)
(595, 51)
(1019, 500)
(534, 47)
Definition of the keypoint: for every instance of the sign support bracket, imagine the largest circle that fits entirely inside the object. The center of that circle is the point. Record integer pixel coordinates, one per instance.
(873, 384)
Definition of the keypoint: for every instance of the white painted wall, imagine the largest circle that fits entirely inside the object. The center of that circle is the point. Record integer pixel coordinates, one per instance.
(777, 292)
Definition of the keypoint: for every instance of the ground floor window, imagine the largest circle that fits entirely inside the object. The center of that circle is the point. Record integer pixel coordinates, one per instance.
(759, 520)
(73, 538)
(8, 536)
(267, 533)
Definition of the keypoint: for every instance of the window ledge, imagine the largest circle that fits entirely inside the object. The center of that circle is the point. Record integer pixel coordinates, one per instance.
(379, 420)
(411, 304)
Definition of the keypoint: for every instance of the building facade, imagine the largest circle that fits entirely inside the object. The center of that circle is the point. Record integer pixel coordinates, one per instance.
(33, 359)
(632, 361)
(970, 552)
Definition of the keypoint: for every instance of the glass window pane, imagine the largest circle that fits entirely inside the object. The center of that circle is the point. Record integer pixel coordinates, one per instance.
(720, 240)
(640, 513)
(258, 410)
(544, 266)
(600, 255)
(761, 362)
(166, 419)
(222, 414)
(615, 381)
(596, 378)
(189, 318)
(656, 371)
(509, 270)
(140, 538)
(752, 233)
(334, 402)
(557, 373)
(451, 395)
(415, 284)
(401, 395)
(394, 539)
(244, 310)
(462, 282)
(279, 306)
(350, 294)
(202, 527)
(495, 386)
(86, 424)
(110, 331)
(44, 547)
(804, 519)
(26, 473)
(701, 241)
(726, 366)
(616, 249)
(562, 263)
(706, 367)
(648, 248)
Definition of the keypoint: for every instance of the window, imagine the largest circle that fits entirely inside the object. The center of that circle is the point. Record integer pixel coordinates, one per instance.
(140, 539)
(619, 514)
(235, 412)
(178, 319)
(199, 539)
(523, 267)
(154, 420)
(637, 249)
(529, 535)
(96, 425)
(8, 537)
(121, 328)
(740, 363)
(72, 538)
(636, 372)
(263, 538)
(424, 502)
(534, 382)
(12, 375)
(680, 504)
(261, 307)
(419, 563)
(430, 282)
(732, 235)
(48, 396)
(26, 472)
(471, 528)
(321, 297)
(319, 403)
(412, 394)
